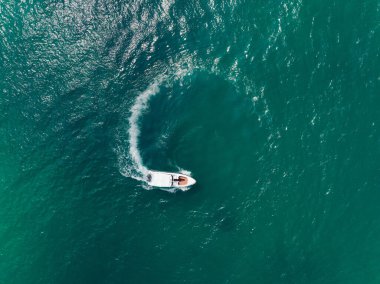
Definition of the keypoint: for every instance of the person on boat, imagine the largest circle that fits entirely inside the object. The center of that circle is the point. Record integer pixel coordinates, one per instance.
(181, 180)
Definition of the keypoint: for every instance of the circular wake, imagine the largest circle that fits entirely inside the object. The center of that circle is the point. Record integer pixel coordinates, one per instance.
(129, 157)
(133, 166)
(140, 105)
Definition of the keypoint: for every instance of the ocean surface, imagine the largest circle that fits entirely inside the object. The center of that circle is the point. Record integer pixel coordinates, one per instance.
(272, 106)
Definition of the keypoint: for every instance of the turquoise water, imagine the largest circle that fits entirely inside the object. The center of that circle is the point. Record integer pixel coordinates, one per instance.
(273, 106)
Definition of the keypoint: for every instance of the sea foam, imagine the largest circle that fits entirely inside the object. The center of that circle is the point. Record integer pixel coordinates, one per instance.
(139, 107)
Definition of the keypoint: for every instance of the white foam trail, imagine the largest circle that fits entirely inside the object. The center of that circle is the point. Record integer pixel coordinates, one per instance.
(140, 105)
(130, 160)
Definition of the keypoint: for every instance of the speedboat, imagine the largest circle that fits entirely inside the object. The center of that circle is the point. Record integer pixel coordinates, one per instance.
(166, 179)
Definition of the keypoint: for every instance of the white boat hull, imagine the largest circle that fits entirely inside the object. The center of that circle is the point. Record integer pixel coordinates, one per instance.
(166, 179)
